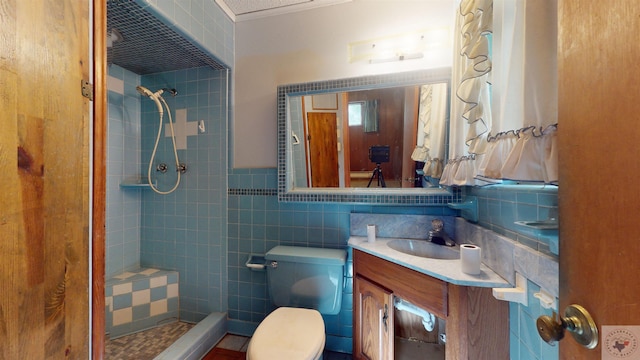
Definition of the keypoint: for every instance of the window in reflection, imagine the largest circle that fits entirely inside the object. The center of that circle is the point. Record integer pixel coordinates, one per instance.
(355, 113)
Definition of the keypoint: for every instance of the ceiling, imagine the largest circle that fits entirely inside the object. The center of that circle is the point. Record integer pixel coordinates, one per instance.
(239, 10)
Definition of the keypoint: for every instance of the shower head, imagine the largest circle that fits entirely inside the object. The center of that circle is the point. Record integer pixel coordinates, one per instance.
(173, 92)
(146, 92)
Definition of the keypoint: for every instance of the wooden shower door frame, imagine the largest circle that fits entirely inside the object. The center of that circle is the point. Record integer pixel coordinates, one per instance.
(99, 52)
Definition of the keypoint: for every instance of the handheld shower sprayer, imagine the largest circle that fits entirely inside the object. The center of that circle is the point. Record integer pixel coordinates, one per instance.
(153, 96)
(144, 91)
(157, 97)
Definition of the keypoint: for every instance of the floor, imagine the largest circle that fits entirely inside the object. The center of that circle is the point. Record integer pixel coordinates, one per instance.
(145, 345)
(404, 349)
(409, 349)
(240, 344)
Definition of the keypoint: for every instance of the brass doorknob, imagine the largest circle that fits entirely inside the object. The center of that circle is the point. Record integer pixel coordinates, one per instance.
(576, 319)
(550, 328)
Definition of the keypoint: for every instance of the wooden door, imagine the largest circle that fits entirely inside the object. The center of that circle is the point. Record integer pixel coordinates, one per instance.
(599, 152)
(346, 144)
(44, 187)
(373, 321)
(323, 149)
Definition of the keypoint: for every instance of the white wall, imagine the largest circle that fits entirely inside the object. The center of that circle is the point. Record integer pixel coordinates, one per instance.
(313, 45)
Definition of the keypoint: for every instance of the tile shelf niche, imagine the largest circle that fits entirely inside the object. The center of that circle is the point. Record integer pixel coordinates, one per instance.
(135, 183)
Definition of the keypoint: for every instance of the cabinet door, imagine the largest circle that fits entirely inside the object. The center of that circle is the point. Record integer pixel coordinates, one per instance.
(373, 325)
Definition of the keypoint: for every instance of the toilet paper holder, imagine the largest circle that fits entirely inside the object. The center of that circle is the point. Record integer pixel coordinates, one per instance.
(256, 262)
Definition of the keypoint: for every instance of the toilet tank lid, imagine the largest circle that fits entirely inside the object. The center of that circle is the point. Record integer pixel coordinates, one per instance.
(308, 255)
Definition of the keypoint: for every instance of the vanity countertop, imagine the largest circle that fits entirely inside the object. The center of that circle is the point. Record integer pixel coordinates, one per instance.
(446, 270)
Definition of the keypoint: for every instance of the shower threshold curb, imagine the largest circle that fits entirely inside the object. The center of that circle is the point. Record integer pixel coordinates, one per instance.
(199, 340)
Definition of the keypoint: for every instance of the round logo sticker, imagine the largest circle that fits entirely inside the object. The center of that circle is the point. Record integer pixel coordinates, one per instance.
(621, 343)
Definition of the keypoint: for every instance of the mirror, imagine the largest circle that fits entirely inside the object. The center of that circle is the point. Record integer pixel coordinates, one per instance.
(389, 137)
(308, 109)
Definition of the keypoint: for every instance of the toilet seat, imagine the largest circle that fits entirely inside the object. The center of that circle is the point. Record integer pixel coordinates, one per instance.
(288, 333)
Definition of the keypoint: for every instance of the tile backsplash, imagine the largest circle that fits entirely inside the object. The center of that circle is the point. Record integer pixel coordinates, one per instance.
(404, 226)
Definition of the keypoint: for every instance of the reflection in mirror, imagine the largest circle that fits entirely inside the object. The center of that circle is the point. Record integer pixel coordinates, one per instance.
(375, 139)
(343, 140)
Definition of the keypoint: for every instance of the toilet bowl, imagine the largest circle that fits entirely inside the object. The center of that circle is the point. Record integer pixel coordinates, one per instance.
(304, 283)
(288, 333)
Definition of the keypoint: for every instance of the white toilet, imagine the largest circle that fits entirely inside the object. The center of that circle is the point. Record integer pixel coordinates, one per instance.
(304, 283)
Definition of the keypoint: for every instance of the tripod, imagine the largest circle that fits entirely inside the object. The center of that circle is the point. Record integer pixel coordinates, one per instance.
(377, 171)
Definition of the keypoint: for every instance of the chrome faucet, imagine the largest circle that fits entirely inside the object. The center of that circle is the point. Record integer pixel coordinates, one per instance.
(437, 235)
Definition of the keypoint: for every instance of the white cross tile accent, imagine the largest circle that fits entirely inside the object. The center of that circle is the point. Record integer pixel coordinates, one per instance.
(115, 84)
(182, 128)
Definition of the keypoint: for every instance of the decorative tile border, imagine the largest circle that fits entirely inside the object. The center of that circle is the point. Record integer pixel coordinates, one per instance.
(253, 192)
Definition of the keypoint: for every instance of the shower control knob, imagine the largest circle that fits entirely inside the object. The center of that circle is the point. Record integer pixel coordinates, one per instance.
(162, 167)
(182, 167)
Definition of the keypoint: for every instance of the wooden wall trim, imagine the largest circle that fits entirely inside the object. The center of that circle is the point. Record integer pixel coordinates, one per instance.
(99, 176)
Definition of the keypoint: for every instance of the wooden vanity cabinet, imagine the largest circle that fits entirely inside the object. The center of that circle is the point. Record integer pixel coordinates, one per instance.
(375, 325)
(477, 325)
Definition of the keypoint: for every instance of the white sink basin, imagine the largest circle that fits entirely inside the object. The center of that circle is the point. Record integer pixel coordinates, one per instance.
(425, 249)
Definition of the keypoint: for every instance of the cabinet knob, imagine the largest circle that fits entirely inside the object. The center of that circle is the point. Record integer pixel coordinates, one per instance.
(385, 318)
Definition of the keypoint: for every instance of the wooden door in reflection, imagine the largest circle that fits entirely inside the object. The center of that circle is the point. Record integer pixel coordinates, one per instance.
(323, 149)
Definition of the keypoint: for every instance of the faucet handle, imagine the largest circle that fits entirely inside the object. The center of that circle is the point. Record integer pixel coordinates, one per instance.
(437, 225)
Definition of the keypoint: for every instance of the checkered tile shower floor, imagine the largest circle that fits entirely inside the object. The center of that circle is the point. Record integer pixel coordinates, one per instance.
(145, 345)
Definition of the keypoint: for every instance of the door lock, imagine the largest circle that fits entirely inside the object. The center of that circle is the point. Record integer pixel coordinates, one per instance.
(576, 319)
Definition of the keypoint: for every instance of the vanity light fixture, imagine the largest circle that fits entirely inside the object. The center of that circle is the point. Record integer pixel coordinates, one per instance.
(400, 57)
(399, 47)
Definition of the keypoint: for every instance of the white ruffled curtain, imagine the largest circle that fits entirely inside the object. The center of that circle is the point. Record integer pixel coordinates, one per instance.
(510, 134)
(432, 120)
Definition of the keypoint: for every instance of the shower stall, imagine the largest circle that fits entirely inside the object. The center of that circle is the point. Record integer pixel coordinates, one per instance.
(166, 216)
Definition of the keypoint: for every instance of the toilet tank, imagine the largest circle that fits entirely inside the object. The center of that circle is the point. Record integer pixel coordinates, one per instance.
(305, 277)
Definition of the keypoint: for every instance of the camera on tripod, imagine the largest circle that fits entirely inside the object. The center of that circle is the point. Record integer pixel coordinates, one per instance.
(379, 154)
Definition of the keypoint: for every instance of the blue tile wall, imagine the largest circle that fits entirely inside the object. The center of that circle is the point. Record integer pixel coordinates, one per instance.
(123, 161)
(499, 207)
(257, 222)
(186, 230)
